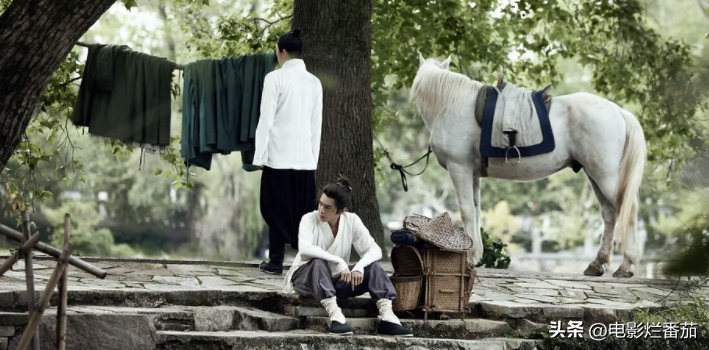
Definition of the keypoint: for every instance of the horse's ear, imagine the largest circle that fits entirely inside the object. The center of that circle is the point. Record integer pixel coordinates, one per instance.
(545, 92)
(445, 64)
(421, 59)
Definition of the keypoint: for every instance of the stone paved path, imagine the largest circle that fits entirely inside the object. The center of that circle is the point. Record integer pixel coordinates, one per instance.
(494, 289)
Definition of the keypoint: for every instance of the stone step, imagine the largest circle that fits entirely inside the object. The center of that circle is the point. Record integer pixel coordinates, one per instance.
(441, 329)
(16, 301)
(297, 340)
(315, 311)
(591, 312)
(86, 331)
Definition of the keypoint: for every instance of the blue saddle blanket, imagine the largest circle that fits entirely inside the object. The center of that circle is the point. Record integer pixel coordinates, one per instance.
(515, 123)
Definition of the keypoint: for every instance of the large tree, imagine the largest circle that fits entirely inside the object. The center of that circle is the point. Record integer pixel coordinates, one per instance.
(35, 37)
(337, 48)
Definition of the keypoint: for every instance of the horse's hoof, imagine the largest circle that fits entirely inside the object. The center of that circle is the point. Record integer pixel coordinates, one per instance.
(623, 273)
(593, 270)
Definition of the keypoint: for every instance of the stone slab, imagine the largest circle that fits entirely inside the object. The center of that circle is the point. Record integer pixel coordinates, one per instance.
(7, 331)
(215, 281)
(311, 340)
(179, 281)
(569, 284)
(117, 332)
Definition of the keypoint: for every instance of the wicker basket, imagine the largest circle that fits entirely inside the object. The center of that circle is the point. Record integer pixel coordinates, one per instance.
(449, 282)
(408, 277)
(408, 292)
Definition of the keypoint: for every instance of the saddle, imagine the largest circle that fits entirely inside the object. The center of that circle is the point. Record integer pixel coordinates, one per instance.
(514, 122)
(482, 98)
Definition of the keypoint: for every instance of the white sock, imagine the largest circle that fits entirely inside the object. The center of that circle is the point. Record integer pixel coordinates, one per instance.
(386, 313)
(333, 310)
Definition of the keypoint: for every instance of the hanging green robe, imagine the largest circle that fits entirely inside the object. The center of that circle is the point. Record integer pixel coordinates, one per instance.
(221, 107)
(125, 95)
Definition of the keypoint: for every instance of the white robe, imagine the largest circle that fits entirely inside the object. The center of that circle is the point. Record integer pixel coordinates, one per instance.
(315, 241)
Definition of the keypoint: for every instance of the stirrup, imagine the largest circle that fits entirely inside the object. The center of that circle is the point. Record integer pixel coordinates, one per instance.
(519, 156)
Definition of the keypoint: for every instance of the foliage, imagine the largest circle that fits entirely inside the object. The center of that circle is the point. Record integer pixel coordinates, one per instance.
(83, 235)
(494, 253)
(693, 258)
(500, 222)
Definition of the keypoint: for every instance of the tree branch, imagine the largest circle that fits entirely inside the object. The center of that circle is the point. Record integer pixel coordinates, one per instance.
(269, 22)
(71, 81)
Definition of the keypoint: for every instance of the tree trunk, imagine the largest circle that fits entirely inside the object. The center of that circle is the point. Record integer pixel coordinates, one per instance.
(35, 36)
(337, 49)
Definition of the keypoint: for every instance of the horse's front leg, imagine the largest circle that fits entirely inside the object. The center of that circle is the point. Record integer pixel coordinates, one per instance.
(462, 177)
(478, 216)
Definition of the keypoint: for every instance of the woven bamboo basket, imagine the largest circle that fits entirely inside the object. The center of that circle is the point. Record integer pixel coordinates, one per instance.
(449, 281)
(408, 277)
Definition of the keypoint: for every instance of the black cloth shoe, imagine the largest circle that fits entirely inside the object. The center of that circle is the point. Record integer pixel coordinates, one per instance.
(339, 328)
(393, 329)
(270, 267)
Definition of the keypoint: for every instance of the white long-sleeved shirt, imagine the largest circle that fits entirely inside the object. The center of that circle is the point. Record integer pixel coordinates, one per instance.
(290, 125)
(315, 241)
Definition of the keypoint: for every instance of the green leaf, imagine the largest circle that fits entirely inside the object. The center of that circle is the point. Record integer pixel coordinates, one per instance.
(205, 2)
(158, 171)
(170, 158)
(177, 185)
(130, 4)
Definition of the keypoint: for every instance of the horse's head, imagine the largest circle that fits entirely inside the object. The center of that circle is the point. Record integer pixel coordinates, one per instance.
(442, 65)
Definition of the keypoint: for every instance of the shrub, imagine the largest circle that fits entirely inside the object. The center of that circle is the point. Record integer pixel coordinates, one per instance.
(494, 252)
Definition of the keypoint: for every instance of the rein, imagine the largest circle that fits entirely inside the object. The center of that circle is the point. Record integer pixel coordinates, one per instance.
(401, 168)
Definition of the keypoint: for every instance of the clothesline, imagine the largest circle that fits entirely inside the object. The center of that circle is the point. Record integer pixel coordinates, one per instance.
(177, 65)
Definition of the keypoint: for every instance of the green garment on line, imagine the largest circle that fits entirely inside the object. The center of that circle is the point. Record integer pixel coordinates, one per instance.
(125, 95)
(221, 105)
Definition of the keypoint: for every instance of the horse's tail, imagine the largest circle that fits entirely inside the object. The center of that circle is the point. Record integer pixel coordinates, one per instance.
(632, 166)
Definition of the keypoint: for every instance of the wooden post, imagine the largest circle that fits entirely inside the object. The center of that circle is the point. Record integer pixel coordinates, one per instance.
(36, 316)
(26, 247)
(49, 250)
(63, 298)
(29, 275)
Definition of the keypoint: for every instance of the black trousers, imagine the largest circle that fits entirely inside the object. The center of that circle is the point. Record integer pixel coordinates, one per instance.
(286, 195)
(314, 280)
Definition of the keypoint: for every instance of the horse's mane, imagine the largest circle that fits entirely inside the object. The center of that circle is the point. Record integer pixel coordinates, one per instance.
(436, 90)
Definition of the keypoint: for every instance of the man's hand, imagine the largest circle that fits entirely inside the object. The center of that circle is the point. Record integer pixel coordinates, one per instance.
(346, 276)
(357, 278)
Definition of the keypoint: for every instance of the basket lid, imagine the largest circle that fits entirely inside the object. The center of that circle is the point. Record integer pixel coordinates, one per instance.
(407, 261)
(441, 232)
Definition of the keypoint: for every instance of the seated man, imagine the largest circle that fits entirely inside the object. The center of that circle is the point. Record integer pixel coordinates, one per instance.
(320, 270)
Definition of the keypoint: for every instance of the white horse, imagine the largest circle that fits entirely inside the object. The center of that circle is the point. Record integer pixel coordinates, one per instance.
(605, 139)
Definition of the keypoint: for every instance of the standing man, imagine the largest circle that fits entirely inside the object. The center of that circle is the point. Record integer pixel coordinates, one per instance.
(288, 147)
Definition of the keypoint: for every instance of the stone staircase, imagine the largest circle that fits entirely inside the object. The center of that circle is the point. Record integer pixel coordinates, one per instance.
(189, 320)
(246, 320)
(247, 327)
(153, 305)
